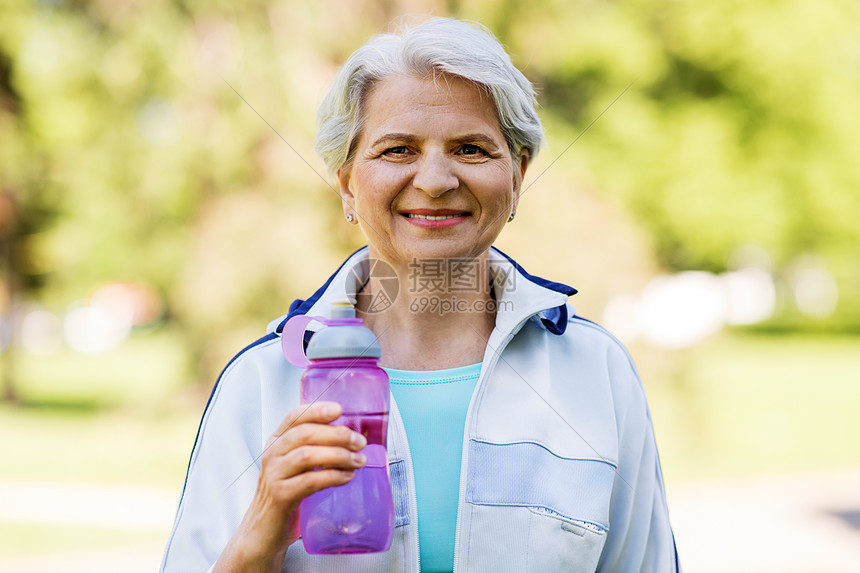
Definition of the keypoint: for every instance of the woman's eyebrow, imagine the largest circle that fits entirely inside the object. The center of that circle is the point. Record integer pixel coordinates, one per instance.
(408, 138)
(479, 138)
(399, 137)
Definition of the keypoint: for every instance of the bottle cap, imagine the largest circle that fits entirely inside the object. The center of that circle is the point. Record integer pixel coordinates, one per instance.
(343, 336)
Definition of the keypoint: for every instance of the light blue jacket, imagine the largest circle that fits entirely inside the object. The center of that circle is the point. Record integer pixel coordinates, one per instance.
(559, 471)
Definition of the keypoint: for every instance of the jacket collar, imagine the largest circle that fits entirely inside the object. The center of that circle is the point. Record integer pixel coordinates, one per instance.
(519, 294)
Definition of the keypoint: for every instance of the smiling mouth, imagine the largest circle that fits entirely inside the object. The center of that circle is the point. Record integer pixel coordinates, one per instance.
(434, 217)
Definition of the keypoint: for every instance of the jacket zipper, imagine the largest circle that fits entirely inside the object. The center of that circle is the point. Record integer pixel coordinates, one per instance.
(410, 478)
(495, 354)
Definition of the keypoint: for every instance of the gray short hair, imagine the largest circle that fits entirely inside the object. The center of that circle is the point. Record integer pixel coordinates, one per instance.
(437, 46)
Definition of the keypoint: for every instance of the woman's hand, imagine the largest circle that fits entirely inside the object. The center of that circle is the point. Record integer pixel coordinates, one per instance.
(303, 456)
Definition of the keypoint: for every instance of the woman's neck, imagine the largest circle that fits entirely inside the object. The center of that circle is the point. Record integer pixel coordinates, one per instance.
(441, 318)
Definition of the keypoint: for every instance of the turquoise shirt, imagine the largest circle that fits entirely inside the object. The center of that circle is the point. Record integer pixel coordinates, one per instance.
(433, 406)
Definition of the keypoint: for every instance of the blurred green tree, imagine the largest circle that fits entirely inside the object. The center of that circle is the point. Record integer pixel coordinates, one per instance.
(165, 142)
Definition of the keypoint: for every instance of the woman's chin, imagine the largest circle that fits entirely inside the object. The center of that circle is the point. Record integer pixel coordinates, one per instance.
(440, 249)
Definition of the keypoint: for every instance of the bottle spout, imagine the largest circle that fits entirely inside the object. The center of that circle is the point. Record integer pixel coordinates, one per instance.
(342, 308)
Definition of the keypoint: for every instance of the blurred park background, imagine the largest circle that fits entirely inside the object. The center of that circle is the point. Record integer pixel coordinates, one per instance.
(701, 188)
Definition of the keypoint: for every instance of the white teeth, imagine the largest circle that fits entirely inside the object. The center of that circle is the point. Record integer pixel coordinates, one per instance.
(431, 217)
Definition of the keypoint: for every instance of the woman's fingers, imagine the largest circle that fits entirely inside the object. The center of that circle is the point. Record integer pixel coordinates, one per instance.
(317, 412)
(316, 434)
(307, 458)
(305, 445)
(309, 425)
(307, 454)
(311, 482)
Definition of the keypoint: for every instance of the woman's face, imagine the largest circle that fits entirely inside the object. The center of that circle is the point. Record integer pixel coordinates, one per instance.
(433, 176)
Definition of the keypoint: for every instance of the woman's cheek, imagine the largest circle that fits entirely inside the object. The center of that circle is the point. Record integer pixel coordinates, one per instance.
(384, 180)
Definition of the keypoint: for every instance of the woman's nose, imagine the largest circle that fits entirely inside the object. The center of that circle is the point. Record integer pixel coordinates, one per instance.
(435, 176)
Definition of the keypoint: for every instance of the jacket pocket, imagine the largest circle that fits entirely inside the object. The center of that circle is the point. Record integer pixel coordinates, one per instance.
(557, 543)
(400, 491)
(554, 511)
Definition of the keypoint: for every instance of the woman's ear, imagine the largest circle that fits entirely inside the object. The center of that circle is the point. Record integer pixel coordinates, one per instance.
(348, 199)
(519, 176)
(524, 163)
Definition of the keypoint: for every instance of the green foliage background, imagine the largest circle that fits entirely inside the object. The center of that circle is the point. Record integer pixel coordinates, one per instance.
(170, 143)
(134, 146)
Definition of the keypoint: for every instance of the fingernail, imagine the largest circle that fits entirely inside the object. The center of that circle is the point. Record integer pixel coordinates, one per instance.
(359, 459)
(330, 410)
(357, 441)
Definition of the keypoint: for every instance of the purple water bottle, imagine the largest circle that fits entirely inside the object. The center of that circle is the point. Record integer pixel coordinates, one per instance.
(357, 517)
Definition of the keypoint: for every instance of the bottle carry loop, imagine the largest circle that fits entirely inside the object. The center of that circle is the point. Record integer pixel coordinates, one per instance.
(293, 339)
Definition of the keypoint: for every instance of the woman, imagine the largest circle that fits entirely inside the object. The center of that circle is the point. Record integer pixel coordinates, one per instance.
(519, 437)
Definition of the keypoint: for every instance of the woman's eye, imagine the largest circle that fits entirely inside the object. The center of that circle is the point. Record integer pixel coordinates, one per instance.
(470, 149)
(397, 150)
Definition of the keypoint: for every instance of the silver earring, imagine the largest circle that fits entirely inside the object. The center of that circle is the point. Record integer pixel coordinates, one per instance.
(350, 217)
(511, 218)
